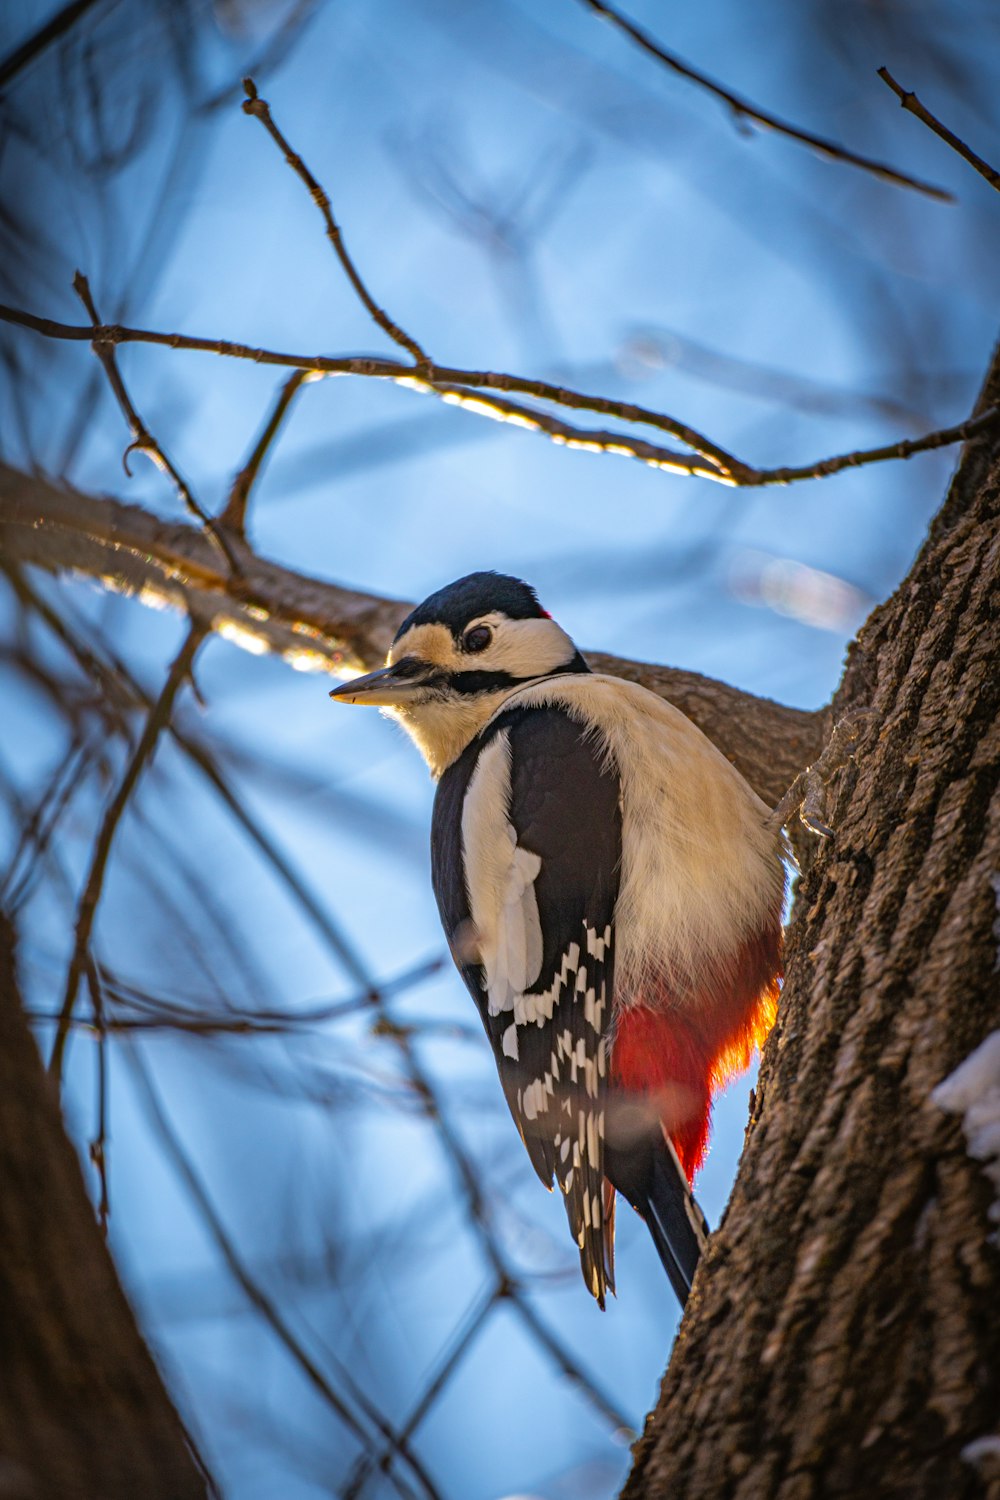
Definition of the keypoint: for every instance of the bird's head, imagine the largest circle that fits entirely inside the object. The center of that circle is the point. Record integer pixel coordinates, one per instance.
(457, 656)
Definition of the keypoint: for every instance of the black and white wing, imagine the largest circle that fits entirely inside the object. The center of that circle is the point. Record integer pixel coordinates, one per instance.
(526, 849)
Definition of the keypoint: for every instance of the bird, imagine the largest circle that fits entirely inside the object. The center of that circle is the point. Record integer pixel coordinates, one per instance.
(611, 889)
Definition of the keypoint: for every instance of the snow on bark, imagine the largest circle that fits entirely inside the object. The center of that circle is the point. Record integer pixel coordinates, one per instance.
(973, 1091)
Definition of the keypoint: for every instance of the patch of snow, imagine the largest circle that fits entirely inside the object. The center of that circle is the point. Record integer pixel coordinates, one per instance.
(973, 1091)
(981, 1448)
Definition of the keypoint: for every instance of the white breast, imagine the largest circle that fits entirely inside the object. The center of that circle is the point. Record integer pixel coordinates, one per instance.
(701, 871)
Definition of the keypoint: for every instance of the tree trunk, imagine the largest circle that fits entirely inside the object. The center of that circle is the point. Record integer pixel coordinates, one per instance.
(83, 1414)
(843, 1335)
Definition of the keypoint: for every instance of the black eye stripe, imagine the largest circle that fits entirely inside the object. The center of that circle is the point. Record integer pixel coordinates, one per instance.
(477, 639)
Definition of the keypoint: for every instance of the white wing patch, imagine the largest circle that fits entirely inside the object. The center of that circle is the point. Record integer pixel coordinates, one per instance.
(501, 876)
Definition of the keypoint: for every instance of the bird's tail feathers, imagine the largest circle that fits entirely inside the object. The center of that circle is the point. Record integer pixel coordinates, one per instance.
(675, 1221)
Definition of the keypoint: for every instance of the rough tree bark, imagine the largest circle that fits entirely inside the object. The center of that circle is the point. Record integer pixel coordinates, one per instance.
(843, 1335)
(83, 1414)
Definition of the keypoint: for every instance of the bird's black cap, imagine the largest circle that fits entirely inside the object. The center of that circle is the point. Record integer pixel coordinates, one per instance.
(476, 594)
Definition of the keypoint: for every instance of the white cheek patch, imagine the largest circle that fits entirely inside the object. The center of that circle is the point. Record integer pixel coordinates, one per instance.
(522, 648)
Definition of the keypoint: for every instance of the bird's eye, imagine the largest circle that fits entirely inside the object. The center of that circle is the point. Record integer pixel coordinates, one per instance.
(478, 638)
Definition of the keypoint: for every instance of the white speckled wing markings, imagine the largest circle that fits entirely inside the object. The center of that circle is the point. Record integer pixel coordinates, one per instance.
(573, 1103)
(539, 840)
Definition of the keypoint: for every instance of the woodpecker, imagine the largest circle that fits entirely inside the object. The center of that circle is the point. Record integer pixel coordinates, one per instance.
(611, 890)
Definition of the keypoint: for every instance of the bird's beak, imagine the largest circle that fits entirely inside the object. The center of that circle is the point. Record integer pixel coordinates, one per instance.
(387, 687)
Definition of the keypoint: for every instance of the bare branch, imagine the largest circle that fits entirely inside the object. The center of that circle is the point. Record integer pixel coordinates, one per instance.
(258, 1297)
(912, 103)
(235, 514)
(98, 1149)
(449, 383)
(254, 105)
(744, 110)
(142, 439)
(157, 720)
(319, 625)
(57, 26)
(943, 437)
(585, 439)
(368, 1463)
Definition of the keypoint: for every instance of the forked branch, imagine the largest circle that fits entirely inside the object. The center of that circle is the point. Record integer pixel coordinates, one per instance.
(142, 439)
(744, 110)
(254, 105)
(464, 387)
(912, 103)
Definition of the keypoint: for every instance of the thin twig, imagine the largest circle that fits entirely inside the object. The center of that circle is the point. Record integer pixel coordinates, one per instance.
(157, 720)
(447, 378)
(142, 439)
(235, 514)
(912, 103)
(99, 1145)
(367, 1464)
(56, 27)
(260, 1300)
(38, 826)
(254, 105)
(744, 110)
(944, 437)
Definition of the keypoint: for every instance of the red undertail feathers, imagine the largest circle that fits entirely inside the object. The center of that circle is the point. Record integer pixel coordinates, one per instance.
(670, 1058)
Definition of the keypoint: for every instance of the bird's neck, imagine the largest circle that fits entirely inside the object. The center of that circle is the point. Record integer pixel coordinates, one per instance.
(442, 730)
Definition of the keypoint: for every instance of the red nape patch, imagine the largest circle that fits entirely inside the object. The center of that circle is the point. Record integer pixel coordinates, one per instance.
(676, 1056)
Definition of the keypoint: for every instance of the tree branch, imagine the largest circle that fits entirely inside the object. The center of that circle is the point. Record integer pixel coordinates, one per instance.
(82, 1408)
(56, 27)
(453, 384)
(254, 105)
(322, 626)
(142, 439)
(912, 103)
(156, 721)
(235, 514)
(354, 1409)
(744, 110)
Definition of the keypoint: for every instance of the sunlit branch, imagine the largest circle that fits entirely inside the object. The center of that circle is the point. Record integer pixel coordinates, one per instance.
(744, 110)
(315, 624)
(912, 103)
(585, 440)
(156, 721)
(254, 105)
(142, 439)
(446, 379)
